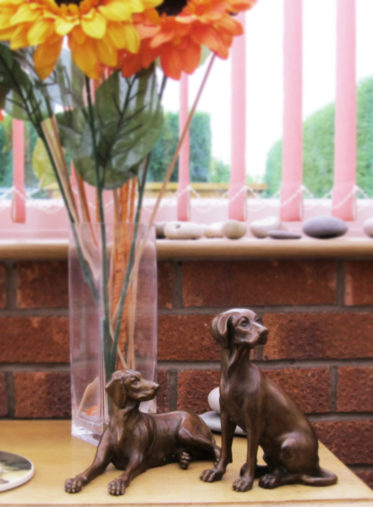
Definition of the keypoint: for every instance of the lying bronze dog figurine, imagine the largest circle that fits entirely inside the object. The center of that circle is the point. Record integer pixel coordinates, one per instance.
(267, 414)
(135, 441)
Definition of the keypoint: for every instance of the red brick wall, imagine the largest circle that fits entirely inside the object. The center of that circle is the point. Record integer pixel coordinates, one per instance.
(320, 346)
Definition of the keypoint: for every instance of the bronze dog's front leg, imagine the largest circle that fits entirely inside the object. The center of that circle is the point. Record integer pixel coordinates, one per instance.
(135, 467)
(98, 466)
(227, 432)
(247, 473)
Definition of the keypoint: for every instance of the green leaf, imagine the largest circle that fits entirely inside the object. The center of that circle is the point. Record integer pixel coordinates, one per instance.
(25, 96)
(21, 94)
(128, 121)
(76, 137)
(71, 125)
(10, 71)
(3, 93)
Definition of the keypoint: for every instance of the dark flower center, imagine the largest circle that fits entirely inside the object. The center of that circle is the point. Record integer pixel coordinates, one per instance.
(67, 2)
(171, 7)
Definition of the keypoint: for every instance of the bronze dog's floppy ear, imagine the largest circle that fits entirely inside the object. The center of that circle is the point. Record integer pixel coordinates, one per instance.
(116, 391)
(219, 328)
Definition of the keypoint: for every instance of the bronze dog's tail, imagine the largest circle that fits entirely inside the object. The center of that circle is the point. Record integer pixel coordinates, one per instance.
(321, 478)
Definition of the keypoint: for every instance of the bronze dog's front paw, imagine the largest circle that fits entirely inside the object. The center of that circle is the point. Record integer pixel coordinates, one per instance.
(184, 460)
(269, 481)
(211, 475)
(117, 487)
(74, 485)
(243, 484)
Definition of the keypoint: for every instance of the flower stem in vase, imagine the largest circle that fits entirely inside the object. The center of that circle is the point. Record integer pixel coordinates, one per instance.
(123, 302)
(104, 263)
(124, 201)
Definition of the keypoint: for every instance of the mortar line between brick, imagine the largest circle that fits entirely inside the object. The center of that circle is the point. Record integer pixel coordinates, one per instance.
(42, 418)
(341, 416)
(177, 290)
(255, 258)
(334, 387)
(172, 389)
(361, 467)
(340, 280)
(314, 363)
(9, 380)
(35, 312)
(33, 367)
(278, 309)
(269, 365)
(182, 365)
(12, 282)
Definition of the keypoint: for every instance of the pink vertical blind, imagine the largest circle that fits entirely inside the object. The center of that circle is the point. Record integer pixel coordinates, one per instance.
(18, 209)
(292, 146)
(343, 194)
(237, 186)
(183, 196)
(343, 200)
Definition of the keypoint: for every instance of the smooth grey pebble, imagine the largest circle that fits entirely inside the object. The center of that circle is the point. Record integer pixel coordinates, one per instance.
(325, 227)
(282, 234)
(260, 228)
(234, 229)
(368, 227)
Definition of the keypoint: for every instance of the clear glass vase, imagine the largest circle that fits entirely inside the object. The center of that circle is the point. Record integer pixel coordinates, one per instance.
(92, 300)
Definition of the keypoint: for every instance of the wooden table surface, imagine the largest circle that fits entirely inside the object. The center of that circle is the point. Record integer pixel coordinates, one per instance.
(57, 456)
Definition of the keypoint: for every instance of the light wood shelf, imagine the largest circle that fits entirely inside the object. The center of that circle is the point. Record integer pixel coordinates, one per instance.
(207, 248)
(57, 456)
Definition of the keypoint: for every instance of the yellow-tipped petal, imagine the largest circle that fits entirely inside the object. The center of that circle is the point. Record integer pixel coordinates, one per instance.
(5, 18)
(85, 58)
(6, 33)
(14, 3)
(78, 35)
(106, 53)
(136, 5)
(46, 56)
(116, 35)
(24, 15)
(39, 32)
(87, 14)
(132, 38)
(116, 11)
(19, 38)
(64, 26)
(95, 27)
(148, 4)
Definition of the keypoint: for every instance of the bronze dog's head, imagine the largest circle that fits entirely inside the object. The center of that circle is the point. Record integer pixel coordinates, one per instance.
(127, 385)
(238, 326)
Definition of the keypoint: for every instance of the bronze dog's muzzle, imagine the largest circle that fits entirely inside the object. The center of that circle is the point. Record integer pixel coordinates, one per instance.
(144, 391)
(154, 387)
(263, 335)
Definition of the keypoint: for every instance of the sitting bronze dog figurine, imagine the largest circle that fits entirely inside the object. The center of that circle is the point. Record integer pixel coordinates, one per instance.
(267, 414)
(135, 441)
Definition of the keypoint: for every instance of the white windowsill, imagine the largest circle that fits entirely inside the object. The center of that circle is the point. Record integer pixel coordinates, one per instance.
(44, 234)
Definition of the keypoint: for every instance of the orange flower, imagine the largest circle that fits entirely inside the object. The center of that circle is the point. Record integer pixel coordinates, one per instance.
(146, 25)
(212, 25)
(177, 39)
(96, 30)
(241, 5)
(1, 115)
